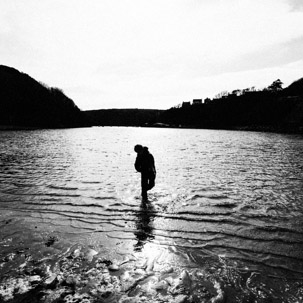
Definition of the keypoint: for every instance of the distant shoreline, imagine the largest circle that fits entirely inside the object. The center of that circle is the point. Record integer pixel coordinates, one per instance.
(20, 127)
(27, 104)
(256, 128)
(17, 127)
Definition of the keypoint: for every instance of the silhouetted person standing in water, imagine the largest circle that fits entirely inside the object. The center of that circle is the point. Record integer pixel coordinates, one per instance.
(145, 164)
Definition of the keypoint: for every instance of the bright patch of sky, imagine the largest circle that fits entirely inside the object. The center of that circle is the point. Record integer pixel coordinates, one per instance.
(152, 53)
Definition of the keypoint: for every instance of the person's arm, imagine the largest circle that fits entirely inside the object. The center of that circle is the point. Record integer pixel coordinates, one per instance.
(138, 164)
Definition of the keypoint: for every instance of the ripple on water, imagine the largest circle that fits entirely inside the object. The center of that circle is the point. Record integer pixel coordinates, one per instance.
(226, 208)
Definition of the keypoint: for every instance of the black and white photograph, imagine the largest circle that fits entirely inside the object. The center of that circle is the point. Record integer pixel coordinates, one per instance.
(151, 151)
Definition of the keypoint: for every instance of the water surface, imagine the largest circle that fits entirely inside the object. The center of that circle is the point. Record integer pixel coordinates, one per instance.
(227, 205)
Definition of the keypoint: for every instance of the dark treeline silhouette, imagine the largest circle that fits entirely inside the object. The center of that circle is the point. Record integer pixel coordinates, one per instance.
(124, 117)
(24, 102)
(272, 109)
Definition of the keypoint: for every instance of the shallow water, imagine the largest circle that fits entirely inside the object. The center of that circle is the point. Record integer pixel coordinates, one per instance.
(227, 208)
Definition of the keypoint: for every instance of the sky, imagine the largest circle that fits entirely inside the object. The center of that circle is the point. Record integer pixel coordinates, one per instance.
(152, 53)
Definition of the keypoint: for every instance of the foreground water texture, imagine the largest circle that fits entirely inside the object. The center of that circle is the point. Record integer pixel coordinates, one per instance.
(223, 224)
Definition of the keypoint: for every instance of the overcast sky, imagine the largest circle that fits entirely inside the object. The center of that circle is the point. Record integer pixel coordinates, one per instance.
(152, 53)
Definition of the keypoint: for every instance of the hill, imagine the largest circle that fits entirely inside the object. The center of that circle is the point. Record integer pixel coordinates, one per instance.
(294, 89)
(270, 109)
(26, 103)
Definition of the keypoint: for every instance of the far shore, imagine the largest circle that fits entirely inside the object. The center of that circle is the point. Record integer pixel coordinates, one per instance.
(253, 128)
(17, 127)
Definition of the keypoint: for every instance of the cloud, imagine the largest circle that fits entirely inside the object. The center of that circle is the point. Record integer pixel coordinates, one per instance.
(126, 50)
(296, 5)
(277, 55)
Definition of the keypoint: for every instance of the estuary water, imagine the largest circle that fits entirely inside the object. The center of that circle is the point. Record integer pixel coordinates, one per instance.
(225, 218)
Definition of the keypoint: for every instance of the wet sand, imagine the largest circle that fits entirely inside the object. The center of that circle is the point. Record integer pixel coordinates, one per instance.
(83, 275)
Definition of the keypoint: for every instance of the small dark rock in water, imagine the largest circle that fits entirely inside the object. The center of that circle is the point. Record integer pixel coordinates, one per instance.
(21, 251)
(50, 241)
(106, 262)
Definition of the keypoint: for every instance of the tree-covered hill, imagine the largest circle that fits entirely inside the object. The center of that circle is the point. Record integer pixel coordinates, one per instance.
(24, 102)
(294, 89)
(272, 109)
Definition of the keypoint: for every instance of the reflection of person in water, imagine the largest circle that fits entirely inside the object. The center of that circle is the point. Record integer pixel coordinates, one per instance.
(144, 226)
(145, 164)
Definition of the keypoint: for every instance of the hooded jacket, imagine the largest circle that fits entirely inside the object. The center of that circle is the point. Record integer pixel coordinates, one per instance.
(145, 162)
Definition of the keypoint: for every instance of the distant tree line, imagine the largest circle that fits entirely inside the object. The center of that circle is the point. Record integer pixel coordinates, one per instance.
(272, 108)
(124, 117)
(24, 102)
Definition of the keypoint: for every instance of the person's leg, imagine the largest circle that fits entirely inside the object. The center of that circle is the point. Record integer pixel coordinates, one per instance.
(144, 185)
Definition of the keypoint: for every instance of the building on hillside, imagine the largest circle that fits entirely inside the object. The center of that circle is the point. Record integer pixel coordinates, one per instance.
(186, 104)
(197, 101)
